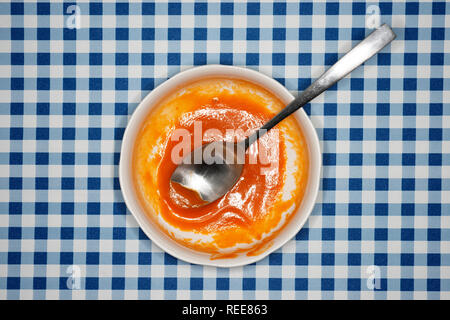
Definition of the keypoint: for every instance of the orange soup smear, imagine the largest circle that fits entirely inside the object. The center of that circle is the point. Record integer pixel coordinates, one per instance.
(273, 181)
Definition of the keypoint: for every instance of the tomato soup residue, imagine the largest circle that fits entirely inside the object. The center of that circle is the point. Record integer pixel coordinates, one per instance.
(273, 181)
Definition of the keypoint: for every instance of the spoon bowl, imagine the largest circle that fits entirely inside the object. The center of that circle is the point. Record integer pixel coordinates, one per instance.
(211, 170)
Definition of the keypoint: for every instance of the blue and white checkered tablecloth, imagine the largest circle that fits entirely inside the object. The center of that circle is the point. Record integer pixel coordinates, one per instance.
(71, 74)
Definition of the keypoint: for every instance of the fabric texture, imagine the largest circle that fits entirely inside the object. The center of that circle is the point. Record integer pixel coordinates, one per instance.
(71, 74)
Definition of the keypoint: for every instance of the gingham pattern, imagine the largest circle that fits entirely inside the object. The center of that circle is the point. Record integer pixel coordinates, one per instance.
(66, 95)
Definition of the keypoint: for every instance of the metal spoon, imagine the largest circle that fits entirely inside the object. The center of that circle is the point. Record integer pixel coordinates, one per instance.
(216, 172)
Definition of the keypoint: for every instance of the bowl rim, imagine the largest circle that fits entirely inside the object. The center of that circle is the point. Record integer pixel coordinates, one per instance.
(154, 232)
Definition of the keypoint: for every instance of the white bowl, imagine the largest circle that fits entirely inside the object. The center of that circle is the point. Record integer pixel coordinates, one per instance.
(151, 229)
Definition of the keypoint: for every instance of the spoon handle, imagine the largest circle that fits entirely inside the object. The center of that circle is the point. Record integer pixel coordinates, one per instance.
(367, 48)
